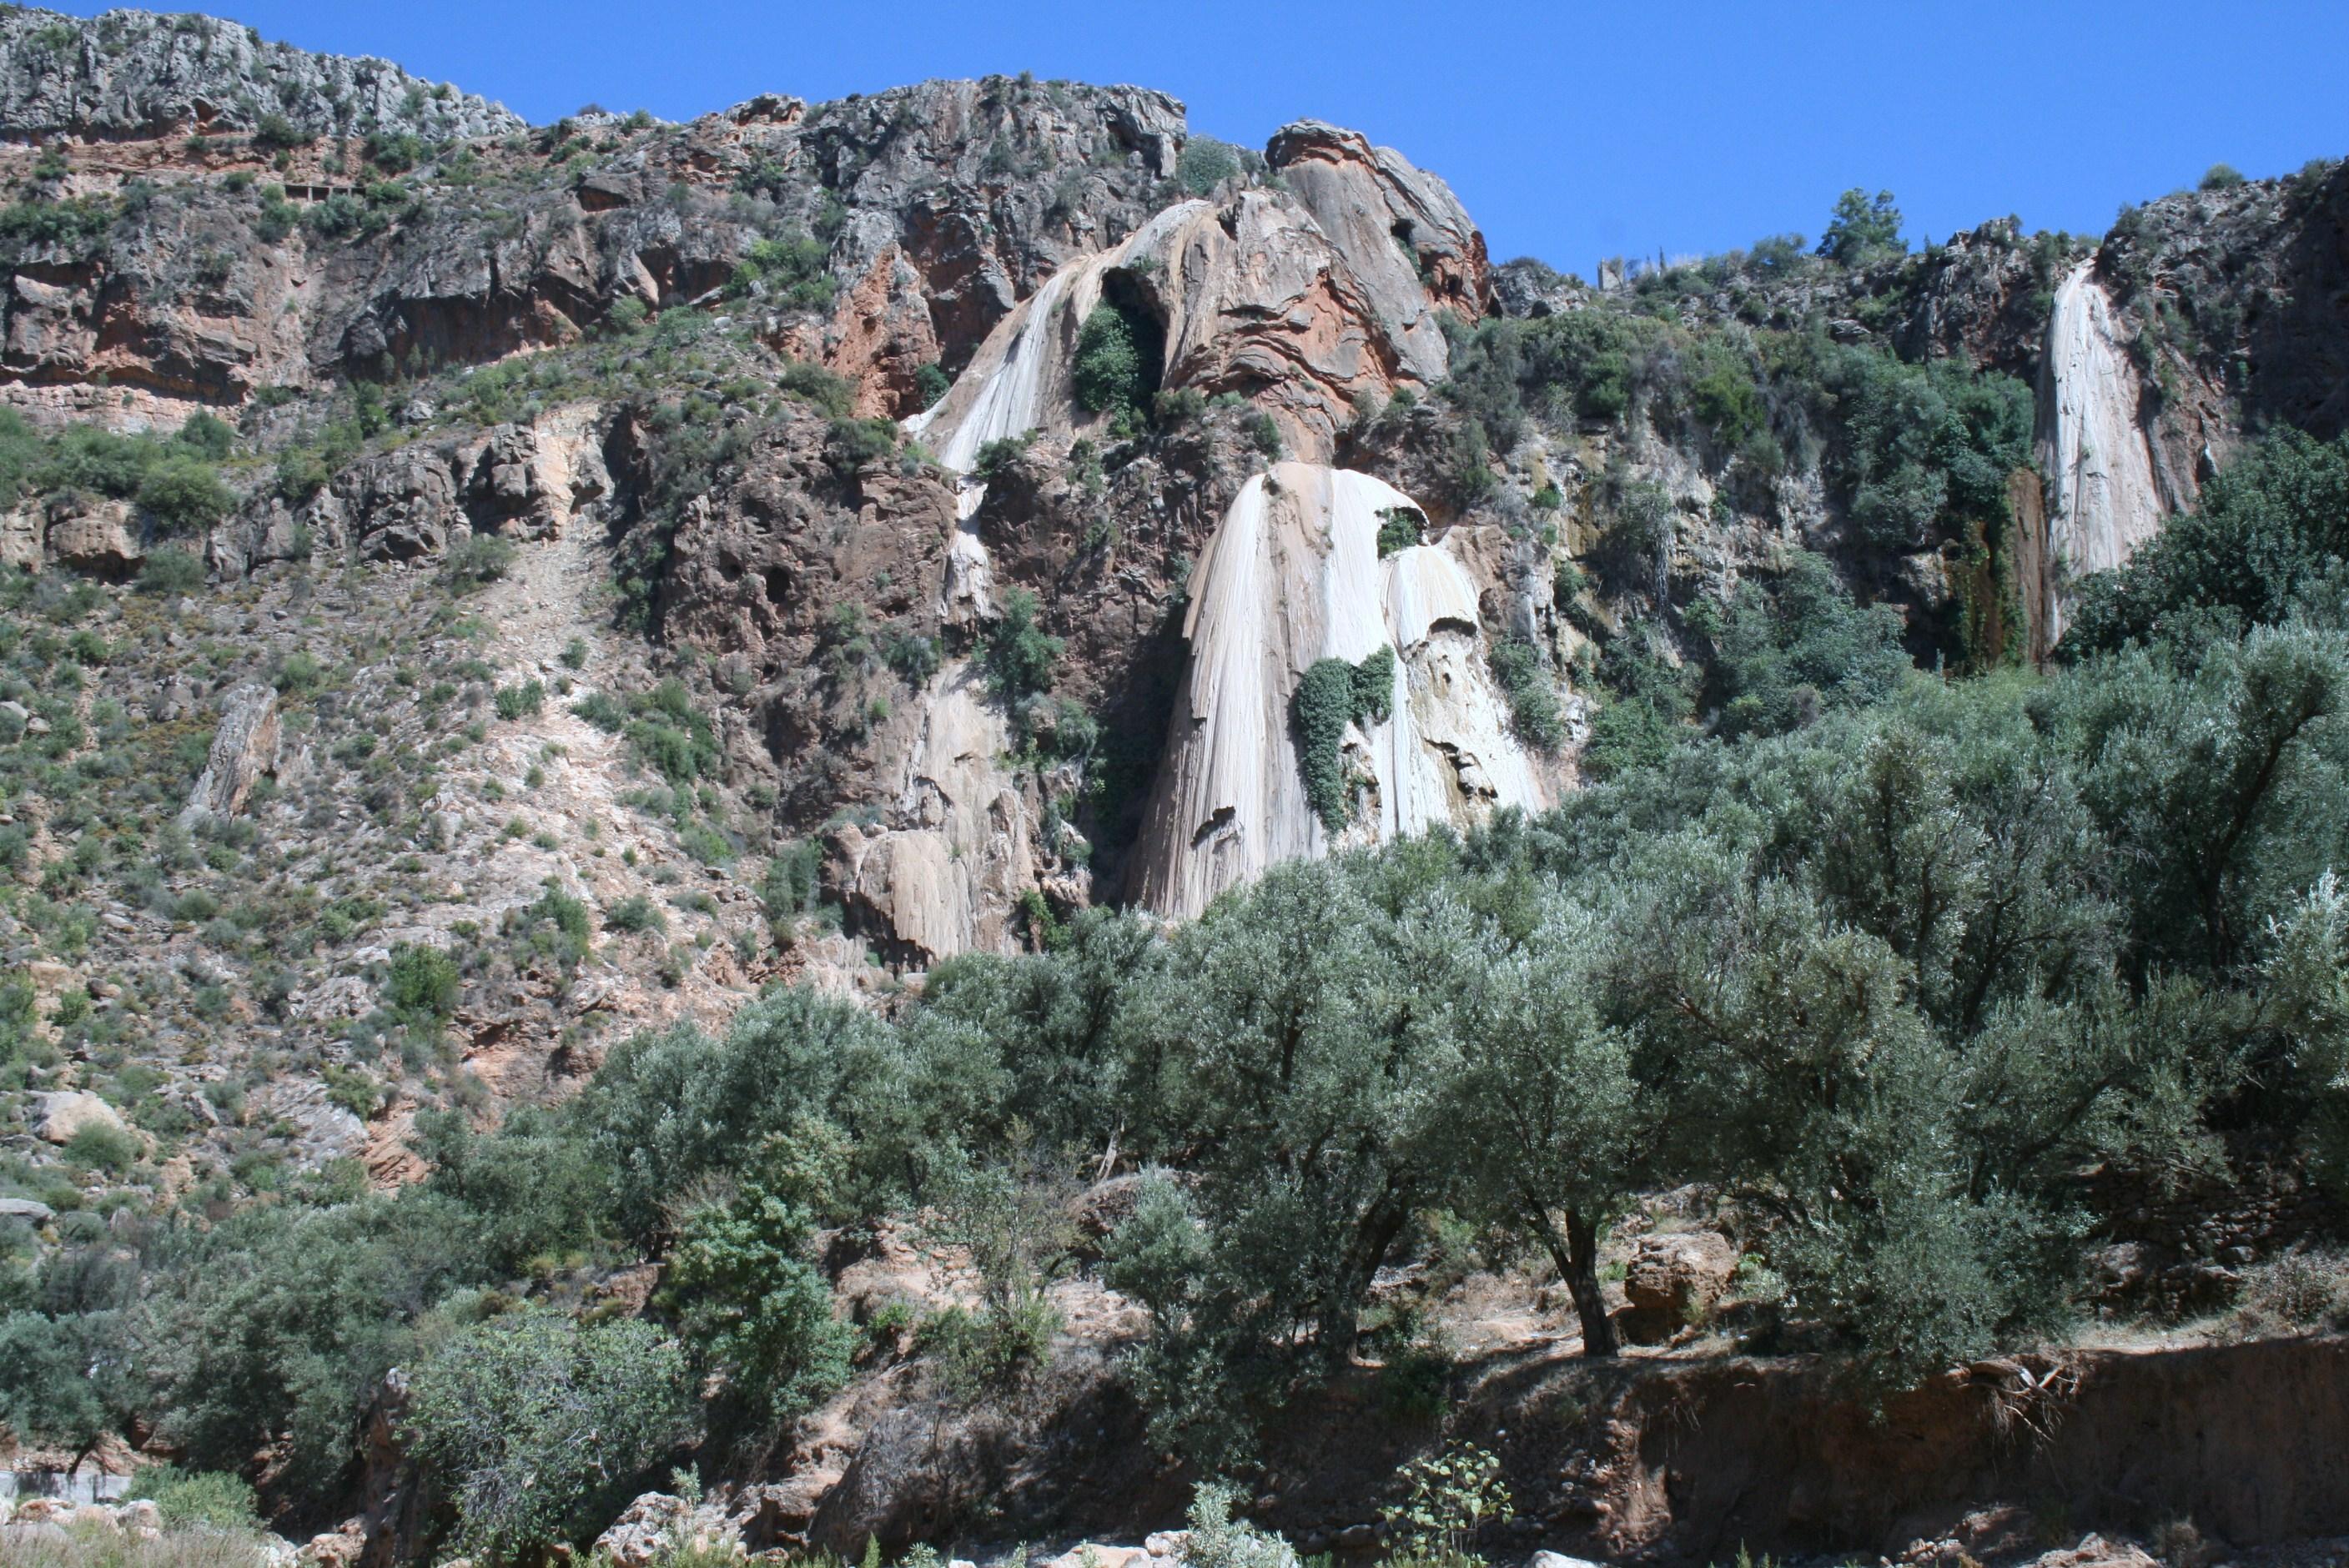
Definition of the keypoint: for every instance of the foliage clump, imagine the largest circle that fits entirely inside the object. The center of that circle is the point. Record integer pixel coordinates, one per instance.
(1332, 695)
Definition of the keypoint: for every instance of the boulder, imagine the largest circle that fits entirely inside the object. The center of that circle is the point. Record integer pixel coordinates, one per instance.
(403, 504)
(245, 748)
(657, 1524)
(30, 1210)
(102, 540)
(59, 1115)
(1090, 1555)
(339, 1548)
(642, 1530)
(1558, 1560)
(1671, 1281)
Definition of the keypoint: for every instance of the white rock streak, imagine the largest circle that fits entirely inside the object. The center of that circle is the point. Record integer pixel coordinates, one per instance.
(2102, 498)
(1292, 576)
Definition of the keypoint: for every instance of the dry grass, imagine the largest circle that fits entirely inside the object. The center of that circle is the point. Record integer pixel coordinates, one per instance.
(2293, 1293)
(95, 1546)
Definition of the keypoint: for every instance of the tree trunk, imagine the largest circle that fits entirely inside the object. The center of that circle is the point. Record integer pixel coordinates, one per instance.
(1576, 1253)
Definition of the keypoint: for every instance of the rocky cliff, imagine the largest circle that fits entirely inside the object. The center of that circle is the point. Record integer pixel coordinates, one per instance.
(920, 517)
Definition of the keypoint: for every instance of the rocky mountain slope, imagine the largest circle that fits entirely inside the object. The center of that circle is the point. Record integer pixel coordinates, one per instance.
(477, 592)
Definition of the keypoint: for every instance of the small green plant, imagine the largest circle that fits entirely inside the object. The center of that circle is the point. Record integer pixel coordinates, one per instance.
(1333, 694)
(634, 913)
(995, 456)
(1398, 528)
(1110, 372)
(210, 1499)
(172, 571)
(1205, 163)
(423, 983)
(1448, 1499)
(522, 700)
(477, 563)
(1219, 1541)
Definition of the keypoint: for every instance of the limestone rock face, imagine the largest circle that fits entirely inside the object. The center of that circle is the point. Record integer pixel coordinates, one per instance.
(134, 72)
(1253, 297)
(244, 749)
(531, 481)
(1294, 577)
(952, 176)
(1403, 233)
(2104, 500)
(946, 875)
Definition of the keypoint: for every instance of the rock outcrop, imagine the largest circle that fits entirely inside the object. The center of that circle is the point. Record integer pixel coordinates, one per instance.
(1406, 236)
(126, 73)
(243, 750)
(2104, 500)
(59, 1115)
(1293, 576)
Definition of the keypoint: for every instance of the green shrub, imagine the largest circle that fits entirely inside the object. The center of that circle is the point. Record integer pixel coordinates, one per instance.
(634, 913)
(1862, 232)
(424, 984)
(298, 671)
(522, 700)
(1330, 696)
(1111, 372)
(185, 494)
(792, 883)
(1524, 678)
(753, 1302)
(792, 270)
(853, 443)
(1398, 528)
(2270, 527)
(191, 1499)
(276, 133)
(814, 384)
(930, 384)
(208, 438)
(555, 925)
(2221, 177)
(1205, 163)
(706, 843)
(539, 1428)
(172, 571)
(914, 657)
(1018, 655)
(101, 1147)
(476, 562)
(995, 455)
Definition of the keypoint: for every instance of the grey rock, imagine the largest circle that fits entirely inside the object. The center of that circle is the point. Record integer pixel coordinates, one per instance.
(403, 504)
(245, 748)
(30, 1209)
(135, 73)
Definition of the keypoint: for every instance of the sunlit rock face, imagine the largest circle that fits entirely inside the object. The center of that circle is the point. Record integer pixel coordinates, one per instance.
(1301, 301)
(2102, 497)
(1293, 576)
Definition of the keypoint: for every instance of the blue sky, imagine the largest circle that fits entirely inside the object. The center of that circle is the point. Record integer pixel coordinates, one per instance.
(1572, 131)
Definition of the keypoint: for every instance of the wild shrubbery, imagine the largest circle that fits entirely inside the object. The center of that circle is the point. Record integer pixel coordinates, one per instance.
(1330, 696)
(175, 479)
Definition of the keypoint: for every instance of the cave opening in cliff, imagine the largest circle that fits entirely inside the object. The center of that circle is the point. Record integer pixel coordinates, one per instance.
(1145, 326)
